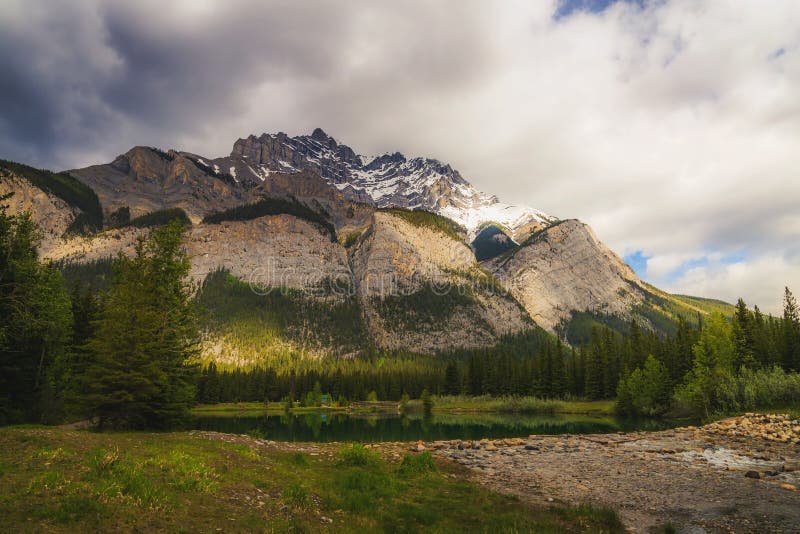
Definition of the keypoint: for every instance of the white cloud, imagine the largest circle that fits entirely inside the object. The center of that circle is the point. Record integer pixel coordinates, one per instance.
(671, 129)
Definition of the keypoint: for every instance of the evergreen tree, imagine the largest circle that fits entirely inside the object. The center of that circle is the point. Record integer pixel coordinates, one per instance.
(35, 323)
(791, 332)
(139, 375)
(452, 380)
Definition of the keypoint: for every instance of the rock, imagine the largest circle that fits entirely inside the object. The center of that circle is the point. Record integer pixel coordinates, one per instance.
(790, 467)
(582, 487)
(788, 487)
(420, 447)
(754, 474)
(491, 447)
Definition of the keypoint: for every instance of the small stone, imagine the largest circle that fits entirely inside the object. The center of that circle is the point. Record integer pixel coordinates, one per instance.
(791, 466)
(491, 447)
(582, 487)
(788, 487)
(754, 474)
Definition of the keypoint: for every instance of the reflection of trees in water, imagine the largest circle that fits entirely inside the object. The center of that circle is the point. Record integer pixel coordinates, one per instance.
(341, 427)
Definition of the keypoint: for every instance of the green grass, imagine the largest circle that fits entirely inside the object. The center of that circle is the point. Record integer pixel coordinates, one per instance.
(432, 221)
(486, 403)
(56, 480)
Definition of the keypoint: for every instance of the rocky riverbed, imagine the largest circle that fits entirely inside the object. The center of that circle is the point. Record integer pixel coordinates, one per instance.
(737, 475)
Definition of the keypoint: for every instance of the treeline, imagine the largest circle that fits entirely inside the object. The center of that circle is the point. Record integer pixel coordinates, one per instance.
(726, 364)
(272, 206)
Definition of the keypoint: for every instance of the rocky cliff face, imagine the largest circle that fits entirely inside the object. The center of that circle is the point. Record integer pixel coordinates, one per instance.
(423, 290)
(417, 283)
(563, 268)
(50, 213)
(146, 179)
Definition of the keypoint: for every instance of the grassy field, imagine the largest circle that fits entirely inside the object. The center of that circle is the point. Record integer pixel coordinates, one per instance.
(441, 405)
(57, 480)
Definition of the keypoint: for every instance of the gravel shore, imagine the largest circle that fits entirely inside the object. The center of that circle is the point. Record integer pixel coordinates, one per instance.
(737, 475)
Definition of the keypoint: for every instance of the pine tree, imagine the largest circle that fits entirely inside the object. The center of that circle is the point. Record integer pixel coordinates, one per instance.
(791, 332)
(35, 323)
(139, 375)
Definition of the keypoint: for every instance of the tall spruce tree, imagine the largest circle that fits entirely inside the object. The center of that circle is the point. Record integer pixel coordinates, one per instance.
(791, 332)
(139, 375)
(35, 322)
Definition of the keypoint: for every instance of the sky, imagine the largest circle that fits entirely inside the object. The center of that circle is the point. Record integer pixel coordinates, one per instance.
(672, 127)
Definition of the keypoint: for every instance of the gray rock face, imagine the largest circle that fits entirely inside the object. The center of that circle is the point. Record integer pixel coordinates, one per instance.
(386, 180)
(147, 180)
(565, 267)
(49, 212)
(396, 263)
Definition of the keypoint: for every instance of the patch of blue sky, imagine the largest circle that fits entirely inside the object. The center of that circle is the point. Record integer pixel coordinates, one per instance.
(637, 262)
(568, 7)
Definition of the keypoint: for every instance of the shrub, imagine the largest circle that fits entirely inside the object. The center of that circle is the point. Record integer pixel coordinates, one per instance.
(645, 391)
(416, 464)
(295, 495)
(357, 455)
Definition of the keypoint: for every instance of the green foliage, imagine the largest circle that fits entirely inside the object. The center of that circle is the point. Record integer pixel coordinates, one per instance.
(426, 307)
(358, 455)
(158, 218)
(272, 206)
(97, 275)
(35, 325)
(295, 495)
(69, 190)
(417, 464)
(491, 241)
(426, 219)
(427, 402)
(645, 391)
(351, 239)
(137, 373)
(278, 326)
(372, 396)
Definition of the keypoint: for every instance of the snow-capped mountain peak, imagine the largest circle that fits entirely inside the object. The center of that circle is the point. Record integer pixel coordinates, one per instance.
(387, 180)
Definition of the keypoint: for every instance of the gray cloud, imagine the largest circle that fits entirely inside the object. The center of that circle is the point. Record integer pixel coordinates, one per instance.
(671, 127)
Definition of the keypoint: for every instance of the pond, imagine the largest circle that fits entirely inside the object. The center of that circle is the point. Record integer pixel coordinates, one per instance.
(343, 427)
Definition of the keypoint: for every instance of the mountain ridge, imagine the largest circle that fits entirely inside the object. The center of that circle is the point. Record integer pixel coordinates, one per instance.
(440, 295)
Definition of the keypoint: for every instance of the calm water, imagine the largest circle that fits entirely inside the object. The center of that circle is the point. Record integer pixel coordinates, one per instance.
(343, 427)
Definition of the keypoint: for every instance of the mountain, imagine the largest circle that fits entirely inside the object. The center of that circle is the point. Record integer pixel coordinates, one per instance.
(389, 180)
(301, 246)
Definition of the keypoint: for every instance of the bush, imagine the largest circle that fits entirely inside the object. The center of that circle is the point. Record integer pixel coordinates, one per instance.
(720, 393)
(417, 464)
(357, 455)
(645, 391)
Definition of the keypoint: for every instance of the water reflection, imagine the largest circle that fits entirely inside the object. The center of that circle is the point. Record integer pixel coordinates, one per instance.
(343, 427)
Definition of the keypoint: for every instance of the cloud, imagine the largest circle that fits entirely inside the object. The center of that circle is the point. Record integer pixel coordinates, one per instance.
(670, 126)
